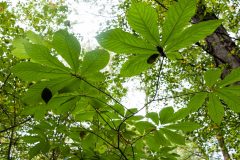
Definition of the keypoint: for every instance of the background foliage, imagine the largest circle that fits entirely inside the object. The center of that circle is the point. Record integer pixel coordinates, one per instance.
(68, 105)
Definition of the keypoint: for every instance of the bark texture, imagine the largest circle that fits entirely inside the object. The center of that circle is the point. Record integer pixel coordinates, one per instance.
(219, 44)
(224, 51)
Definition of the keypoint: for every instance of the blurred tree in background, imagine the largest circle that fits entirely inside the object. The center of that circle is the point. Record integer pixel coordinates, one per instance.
(66, 106)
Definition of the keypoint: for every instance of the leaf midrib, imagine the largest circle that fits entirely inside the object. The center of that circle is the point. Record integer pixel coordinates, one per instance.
(171, 32)
(141, 18)
(130, 45)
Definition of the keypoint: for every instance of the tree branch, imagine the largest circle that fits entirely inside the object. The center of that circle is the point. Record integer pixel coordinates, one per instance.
(14, 126)
(110, 96)
(5, 81)
(162, 5)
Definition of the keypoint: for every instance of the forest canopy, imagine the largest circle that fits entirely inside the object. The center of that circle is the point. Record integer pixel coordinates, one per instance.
(62, 100)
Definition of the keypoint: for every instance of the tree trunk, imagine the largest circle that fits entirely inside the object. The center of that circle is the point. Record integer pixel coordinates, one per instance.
(219, 44)
(222, 145)
(224, 51)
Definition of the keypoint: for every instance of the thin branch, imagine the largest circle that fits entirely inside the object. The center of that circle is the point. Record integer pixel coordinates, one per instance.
(189, 156)
(5, 81)
(115, 100)
(104, 103)
(4, 111)
(104, 119)
(14, 126)
(118, 148)
(160, 68)
(101, 138)
(133, 153)
(158, 78)
(140, 137)
(116, 154)
(111, 121)
(162, 5)
(122, 153)
(10, 145)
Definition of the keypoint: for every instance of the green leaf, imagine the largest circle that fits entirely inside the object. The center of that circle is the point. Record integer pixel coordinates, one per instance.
(42, 147)
(119, 109)
(177, 18)
(89, 141)
(194, 104)
(31, 139)
(174, 56)
(33, 95)
(135, 118)
(95, 76)
(119, 41)
(131, 111)
(173, 136)
(135, 65)
(233, 90)
(143, 19)
(35, 38)
(153, 142)
(102, 149)
(144, 127)
(193, 34)
(232, 77)
(230, 98)
(156, 140)
(197, 101)
(29, 71)
(180, 114)
(184, 126)
(35, 150)
(165, 114)
(94, 61)
(19, 49)
(215, 109)
(68, 47)
(45, 146)
(85, 116)
(154, 117)
(41, 55)
(38, 111)
(212, 76)
(161, 138)
(63, 103)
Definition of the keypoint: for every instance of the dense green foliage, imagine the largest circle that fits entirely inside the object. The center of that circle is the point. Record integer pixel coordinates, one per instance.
(65, 107)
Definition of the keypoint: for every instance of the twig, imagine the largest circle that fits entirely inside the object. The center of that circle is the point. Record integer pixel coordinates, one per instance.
(119, 127)
(101, 138)
(140, 137)
(147, 102)
(5, 81)
(162, 5)
(104, 103)
(115, 100)
(158, 78)
(4, 130)
(4, 111)
(122, 153)
(103, 119)
(133, 153)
